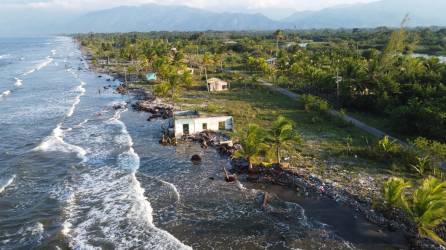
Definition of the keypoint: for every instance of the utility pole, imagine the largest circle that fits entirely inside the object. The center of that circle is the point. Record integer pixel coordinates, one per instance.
(338, 80)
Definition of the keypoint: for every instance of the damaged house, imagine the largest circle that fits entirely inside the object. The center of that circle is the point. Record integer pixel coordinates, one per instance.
(194, 122)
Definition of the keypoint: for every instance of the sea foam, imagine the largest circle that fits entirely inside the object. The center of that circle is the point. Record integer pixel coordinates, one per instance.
(112, 197)
(81, 90)
(6, 183)
(5, 93)
(55, 143)
(18, 82)
(40, 66)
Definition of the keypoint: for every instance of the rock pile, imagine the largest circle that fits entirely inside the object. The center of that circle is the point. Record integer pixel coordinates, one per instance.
(157, 109)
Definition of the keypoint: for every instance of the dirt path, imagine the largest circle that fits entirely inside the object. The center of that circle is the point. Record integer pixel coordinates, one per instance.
(355, 122)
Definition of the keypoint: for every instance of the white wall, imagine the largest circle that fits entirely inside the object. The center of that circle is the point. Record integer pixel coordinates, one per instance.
(196, 124)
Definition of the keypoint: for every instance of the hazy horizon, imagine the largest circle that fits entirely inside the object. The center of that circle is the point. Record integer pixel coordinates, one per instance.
(275, 9)
(37, 17)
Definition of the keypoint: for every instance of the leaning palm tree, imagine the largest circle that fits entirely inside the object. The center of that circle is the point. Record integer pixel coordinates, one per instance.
(428, 208)
(282, 134)
(252, 143)
(393, 192)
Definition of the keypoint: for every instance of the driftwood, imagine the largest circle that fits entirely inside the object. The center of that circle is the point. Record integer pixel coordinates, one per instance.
(265, 200)
(228, 177)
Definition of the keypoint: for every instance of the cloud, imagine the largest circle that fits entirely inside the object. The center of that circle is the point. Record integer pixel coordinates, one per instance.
(218, 5)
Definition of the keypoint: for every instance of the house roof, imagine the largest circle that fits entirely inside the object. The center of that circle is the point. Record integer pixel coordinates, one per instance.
(191, 114)
(216, 81)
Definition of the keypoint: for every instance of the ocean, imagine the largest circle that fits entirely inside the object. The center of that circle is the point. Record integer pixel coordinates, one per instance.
(76, 172)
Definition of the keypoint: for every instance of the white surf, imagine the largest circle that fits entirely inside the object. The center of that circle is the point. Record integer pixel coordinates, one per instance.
(108, 203)
(55, 143)
(5, 93)
(18, 82)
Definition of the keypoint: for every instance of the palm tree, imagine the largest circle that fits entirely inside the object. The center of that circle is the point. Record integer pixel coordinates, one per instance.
(252, 143)
(207, 61)
(428, 207)
(393, 192)
(279, 35)
(282, 134)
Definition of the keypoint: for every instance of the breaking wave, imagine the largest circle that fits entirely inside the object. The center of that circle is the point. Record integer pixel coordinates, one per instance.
(6, 183)
(5, 56)
(55, 143)
(81, 90)
(40, 66)
(5, 93)
(45, 63)
(108, 203)
(174, 189)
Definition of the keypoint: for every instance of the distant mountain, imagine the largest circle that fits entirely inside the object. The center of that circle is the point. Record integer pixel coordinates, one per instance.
(154, 17)
(380, 13)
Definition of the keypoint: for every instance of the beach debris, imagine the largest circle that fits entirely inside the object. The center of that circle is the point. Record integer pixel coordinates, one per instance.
(265, 201)
(229, 177)
(196, 159)
(121, 89)
(158, 110)
(119, 106)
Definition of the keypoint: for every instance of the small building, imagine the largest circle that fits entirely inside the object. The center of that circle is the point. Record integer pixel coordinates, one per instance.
(194, 122)
(271, 61)
(151, 76)
(303, 45)
(215, 84)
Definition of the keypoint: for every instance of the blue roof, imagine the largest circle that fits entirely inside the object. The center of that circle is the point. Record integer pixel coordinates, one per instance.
(151, 76)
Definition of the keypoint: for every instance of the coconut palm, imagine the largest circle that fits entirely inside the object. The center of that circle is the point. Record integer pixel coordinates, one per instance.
(252, 142)
(207, 61)
(279, 35)
(393, 192)
(428, 207)
(282, 134)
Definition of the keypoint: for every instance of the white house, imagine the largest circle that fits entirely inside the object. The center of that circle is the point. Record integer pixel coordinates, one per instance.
(193, 122)
(215, 85)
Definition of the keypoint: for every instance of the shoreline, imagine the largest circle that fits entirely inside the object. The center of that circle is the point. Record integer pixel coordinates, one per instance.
(303, 179)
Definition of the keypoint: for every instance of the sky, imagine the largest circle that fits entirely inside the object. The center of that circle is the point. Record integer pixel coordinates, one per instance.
(219, 5)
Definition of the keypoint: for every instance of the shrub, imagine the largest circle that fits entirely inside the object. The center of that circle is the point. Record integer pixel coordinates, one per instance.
(313, 103)
(161, 89)
(212, 108)
(393, 192)
(388, 146)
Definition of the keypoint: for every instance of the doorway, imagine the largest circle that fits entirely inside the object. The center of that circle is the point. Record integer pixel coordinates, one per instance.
(186, 129)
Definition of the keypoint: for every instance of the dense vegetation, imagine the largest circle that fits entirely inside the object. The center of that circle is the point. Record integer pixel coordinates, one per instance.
(376, 76)
(371, 72)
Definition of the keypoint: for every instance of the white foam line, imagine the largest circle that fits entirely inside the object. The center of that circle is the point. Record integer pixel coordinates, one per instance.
(5, 93)
(40, 66)
(55, 143)
(4, 56)
(45, 63)
(145, 206)
(82, 123)
(6, 183)
(81, 90)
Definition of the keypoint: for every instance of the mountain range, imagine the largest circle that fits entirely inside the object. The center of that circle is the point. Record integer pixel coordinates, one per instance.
(152, 17)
